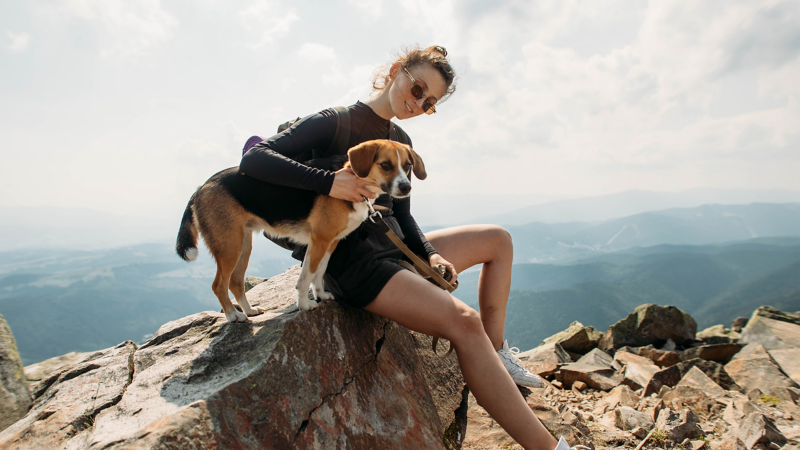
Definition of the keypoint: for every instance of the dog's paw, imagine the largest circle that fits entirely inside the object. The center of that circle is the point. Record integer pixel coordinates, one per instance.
(256, 311)
(307, 305)
(236, 316)
(324, 295)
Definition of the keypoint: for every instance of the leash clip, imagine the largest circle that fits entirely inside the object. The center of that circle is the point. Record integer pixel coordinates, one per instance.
(372, 213)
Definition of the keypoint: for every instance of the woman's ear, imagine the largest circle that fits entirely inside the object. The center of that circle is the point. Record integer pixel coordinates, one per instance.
(417, 165)
(394, 70)
(361, 158)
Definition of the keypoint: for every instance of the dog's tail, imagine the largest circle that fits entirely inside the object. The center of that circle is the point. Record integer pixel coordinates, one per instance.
(186, 246)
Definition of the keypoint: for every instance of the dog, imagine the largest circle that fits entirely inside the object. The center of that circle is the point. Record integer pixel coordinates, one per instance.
(231, 206)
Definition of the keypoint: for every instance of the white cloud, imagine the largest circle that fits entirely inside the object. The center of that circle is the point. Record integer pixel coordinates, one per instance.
(18, 42)
(127, 28)
(316, 52)
(373, 8)
(267, 20)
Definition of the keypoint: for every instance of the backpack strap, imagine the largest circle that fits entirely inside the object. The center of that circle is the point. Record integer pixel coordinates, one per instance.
(341, 138)
(397, 134)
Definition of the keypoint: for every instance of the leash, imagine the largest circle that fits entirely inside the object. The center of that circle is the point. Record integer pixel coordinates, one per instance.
(435, 276)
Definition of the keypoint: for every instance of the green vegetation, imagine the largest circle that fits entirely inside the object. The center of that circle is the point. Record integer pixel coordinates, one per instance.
(659, 437)
(769, 399)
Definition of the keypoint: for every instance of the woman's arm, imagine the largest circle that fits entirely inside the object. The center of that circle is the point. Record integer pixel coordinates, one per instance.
(273, 160)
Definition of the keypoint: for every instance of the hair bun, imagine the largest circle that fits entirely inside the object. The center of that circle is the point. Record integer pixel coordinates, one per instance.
(440, 49)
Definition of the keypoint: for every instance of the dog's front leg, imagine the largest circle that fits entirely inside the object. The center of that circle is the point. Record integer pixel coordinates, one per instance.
(319, 284)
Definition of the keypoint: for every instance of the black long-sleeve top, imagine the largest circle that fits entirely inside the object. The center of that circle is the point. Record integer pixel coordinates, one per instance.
(279, 160)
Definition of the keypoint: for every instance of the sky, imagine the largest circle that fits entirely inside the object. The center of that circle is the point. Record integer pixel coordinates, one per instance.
(126, 106)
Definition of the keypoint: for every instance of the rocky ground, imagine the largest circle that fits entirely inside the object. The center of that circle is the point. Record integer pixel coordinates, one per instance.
(719, 389)
(650, 381)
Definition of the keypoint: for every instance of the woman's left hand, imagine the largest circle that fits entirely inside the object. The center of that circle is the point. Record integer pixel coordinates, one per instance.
(437, 259)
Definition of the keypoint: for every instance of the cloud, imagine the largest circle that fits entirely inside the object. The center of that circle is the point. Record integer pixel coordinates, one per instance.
(316, 53)
(19, 42)
(126, 28)
(373, 8)
(268, 21)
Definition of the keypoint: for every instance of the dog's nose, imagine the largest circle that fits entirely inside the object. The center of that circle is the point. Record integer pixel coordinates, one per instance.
(404, 188)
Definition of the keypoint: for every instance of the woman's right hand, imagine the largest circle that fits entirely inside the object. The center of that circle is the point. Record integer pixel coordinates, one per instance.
(347, 186)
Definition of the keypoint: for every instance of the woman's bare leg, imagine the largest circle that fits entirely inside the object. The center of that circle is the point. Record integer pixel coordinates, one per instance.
(490, 245)
(418, 305)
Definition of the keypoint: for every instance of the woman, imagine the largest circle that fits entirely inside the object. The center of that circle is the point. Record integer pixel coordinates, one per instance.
(363, 272)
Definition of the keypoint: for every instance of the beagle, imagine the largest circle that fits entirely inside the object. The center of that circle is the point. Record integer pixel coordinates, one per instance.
(230, 206)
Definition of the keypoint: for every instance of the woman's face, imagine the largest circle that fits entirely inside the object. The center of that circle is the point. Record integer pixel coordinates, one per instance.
(404, 104)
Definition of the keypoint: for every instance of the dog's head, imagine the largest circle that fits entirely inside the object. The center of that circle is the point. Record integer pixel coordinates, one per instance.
(387, 163)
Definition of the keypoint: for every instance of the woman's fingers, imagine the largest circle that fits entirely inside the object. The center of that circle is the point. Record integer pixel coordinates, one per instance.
(347, 186)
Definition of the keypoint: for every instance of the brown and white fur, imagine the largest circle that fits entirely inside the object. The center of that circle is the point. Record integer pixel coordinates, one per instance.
(230, 206)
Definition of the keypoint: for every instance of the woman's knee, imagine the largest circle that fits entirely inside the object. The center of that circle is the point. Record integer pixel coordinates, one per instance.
(465, 325)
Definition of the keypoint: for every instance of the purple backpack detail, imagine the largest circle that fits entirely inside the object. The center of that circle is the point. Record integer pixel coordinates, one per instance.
(253, 140)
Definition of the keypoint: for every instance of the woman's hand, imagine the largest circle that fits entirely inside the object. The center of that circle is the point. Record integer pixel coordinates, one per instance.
(437, 259)
(347, 186)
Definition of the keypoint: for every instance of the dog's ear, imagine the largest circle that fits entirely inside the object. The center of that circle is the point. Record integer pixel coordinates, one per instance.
(362, 156)
(418, 165)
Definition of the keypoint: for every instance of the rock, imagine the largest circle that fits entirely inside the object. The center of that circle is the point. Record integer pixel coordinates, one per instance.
(650, 324)
(620, 396)
(698, 379)
(639, 432)
(758, 428)
(713, 370)
(625, 358)
(664, 377)
(596, 357)
(721, 353)
(251, 282)
(577, 338)
(752, 351)
(678, 425)
(695, 399)
(579, 385)
(731, 442)
(627, 419)
(330, 378)
(638, 375)
(36, 372)
(758, 372)
(772, 328)
(661, 358)
(68, 401)
(545, 359)
(717, 334)
(14, 394)
(788, 359)
(669, 346)
(738, 324)
(596, 377)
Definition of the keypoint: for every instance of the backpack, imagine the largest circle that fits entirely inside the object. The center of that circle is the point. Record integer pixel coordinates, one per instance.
(341, 138)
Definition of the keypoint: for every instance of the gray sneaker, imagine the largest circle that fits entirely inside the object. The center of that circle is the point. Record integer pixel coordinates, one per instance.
(519, 374)
(563, 445)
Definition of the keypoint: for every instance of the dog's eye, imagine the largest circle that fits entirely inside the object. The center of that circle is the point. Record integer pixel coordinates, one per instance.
(407, 168)
(386, 166)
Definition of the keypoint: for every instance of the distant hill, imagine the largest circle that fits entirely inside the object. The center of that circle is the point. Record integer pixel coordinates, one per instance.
(713, 283)
(628, 203)
(58, 301)
(707, 224)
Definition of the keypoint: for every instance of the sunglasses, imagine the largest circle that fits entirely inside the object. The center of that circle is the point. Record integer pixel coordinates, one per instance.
(416, 91)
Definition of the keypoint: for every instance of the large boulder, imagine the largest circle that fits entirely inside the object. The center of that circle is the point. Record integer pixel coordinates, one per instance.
(14, 394)
(650, 324)
(41, 370)
(601, 378)
(576, 339)
(772, 328)
(717, 334)
(328, 378)
(754, 368)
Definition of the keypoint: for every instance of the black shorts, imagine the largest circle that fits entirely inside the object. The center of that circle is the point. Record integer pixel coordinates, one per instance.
(362, 264)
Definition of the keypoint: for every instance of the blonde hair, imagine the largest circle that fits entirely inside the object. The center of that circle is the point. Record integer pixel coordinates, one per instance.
(413, 56)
